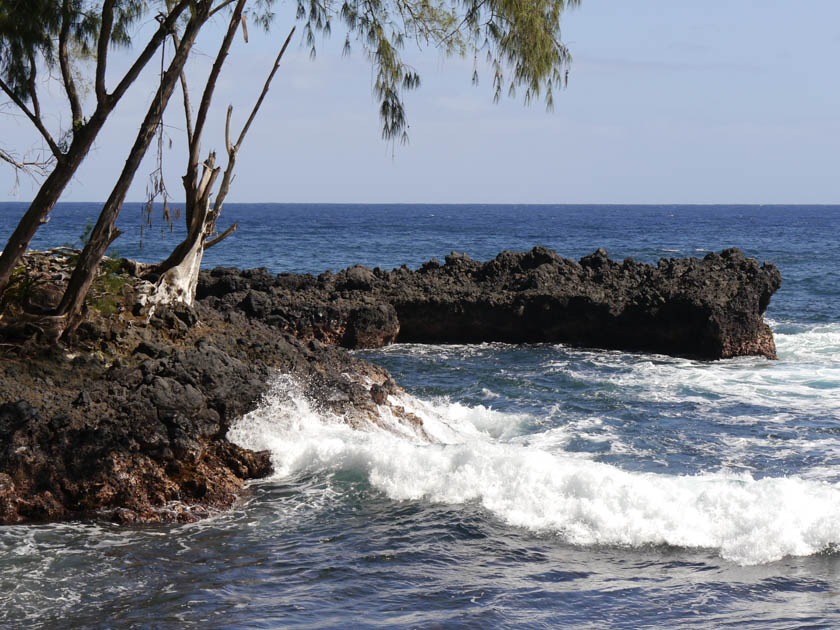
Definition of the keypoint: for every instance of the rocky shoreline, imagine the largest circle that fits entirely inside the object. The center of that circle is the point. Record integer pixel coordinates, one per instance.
(710, 308)
(128, 421)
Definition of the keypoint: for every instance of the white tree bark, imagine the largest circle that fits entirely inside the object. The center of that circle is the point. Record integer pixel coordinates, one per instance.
(179, 283)
(179, 272)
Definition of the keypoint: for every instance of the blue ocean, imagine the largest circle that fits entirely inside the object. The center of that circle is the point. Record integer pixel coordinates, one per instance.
(560, 487)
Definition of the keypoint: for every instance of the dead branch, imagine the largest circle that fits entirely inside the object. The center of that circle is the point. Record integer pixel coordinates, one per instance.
(185, 92)
(228, 145)
(221, 237)
(265, 89)
(233, 150)
(30, 167)
(210, 86)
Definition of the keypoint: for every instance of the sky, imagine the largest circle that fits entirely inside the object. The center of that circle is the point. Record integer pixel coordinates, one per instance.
(668, 101)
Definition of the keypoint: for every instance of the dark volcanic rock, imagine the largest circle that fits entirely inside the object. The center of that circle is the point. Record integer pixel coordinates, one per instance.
(129, 420)
(711, 308)
(331, 308)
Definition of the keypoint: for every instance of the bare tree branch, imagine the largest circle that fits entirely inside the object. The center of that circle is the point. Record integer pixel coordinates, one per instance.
(186, 96)
(228, 145)
(265, 89)
(190, 186)
(221, 6)
(233, 151)
(33, 88)
(167, 26)
(210, 86)
(64, 63)
(24, 165)
(102, 48)
(187, 107)
(221, 237)
(35, 120)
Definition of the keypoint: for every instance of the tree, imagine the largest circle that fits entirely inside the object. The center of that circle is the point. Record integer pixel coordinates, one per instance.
(104, 231)
(177, 276)
(521, 40)
(40, 34)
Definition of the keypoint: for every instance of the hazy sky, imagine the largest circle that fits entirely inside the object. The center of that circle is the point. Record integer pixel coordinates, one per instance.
(669, 101)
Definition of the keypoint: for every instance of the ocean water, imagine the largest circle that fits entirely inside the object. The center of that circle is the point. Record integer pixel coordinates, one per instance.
(558, 488)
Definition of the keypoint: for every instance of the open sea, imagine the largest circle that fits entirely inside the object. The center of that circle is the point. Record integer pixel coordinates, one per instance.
(563, 487)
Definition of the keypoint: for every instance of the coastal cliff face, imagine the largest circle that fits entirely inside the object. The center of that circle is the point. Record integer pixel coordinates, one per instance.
(128, 421)
(710, 308)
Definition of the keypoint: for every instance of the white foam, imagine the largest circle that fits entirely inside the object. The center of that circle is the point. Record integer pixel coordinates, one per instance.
(806, 378)
(583, 502)
(799, 392)
(817, 344)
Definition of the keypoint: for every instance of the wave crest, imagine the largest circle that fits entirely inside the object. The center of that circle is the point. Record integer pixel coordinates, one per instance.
(469, 459)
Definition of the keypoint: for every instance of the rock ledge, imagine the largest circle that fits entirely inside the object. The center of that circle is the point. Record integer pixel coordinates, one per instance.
(710, 308)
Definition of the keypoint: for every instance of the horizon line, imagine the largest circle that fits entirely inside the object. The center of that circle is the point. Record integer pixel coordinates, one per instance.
(470, 203)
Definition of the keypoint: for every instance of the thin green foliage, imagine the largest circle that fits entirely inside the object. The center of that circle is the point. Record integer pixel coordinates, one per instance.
(107, 290)
(29, 30)
(521, 40)
(21, 287)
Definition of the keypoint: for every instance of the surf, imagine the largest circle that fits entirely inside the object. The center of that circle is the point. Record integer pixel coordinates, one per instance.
(477, 455)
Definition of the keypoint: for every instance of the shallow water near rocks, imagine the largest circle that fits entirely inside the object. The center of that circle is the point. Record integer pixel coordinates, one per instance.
(558, 487)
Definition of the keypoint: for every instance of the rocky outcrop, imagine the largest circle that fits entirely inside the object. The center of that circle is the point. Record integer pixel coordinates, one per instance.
(129, 420)
(333, 309)
(710, 308)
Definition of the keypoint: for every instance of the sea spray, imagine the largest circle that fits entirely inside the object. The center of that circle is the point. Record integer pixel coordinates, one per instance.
(581, 501)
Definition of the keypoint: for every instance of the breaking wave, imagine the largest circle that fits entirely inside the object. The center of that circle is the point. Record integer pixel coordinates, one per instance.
(477, 455)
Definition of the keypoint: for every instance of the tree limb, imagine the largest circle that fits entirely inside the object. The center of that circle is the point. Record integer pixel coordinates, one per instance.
(35, 120)
(221, 6)
(33, 88)
(265, 90)
(210, 86)
(166, 26)
(228, 145)
(244, 29)
(185, 92)
(227, 178)
(102, 48)
(25, 165)
(64, 63)
(221, 237)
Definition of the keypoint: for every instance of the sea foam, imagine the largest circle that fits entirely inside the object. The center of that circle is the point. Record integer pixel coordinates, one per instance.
(469, 457)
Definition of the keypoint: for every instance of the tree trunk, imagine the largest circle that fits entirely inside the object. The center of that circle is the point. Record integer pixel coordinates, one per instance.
(49, 193)
(179, 282)
(179, 272)
(104, 232)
